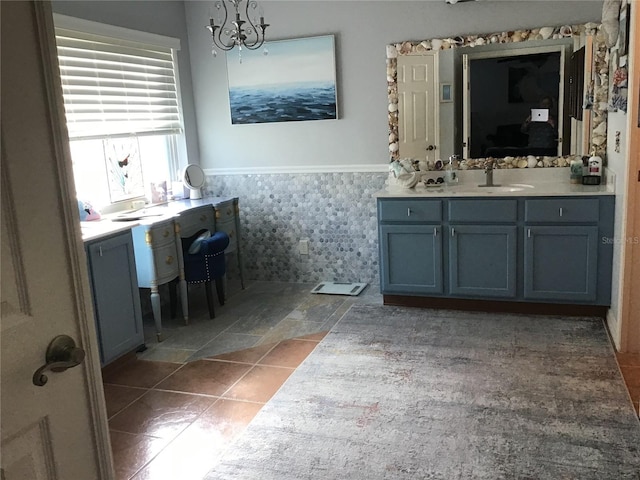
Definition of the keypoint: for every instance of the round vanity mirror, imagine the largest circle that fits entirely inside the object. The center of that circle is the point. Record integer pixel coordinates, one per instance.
(193, 178)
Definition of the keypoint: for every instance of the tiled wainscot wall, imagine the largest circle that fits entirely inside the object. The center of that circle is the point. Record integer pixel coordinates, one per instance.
(335, 211)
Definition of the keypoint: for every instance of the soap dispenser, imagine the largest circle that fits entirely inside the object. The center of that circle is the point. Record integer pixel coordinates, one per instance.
(451, 170)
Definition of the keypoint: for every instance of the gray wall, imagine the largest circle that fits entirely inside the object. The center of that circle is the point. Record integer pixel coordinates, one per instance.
(335, 211)
(362, 30)
(305, 196)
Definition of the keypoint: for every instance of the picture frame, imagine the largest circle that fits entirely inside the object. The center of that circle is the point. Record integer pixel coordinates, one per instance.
(295, 81)
(446, 92)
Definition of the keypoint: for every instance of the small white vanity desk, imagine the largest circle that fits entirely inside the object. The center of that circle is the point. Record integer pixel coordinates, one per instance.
(143, 250)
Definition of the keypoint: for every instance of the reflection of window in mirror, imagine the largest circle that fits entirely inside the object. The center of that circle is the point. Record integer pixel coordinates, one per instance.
(500, 118)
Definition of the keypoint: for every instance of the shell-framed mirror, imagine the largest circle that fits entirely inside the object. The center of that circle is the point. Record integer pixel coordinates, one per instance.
(580, 79)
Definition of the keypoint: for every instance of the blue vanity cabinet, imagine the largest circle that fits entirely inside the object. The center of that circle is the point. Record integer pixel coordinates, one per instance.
(410, 234)
(483, 260)
(112, 276)
(562, 246)
(483, 247)
(560, 263)
(532, 249)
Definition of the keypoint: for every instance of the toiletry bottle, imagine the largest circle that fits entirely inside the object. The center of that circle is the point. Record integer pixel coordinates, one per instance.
(451, 170)
(594, 171)
(595, 166)
(576, 170)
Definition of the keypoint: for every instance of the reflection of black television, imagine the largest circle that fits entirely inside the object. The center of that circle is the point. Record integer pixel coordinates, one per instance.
(576, 84)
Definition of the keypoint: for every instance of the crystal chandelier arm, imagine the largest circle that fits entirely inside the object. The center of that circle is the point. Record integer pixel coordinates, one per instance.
(212, 27)
(259, 40)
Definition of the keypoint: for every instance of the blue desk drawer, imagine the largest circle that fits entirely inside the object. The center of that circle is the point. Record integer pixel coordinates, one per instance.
(410, 210)
(562, 210)
(480, 210)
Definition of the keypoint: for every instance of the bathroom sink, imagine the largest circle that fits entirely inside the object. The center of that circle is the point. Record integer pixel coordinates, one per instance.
(512, 187)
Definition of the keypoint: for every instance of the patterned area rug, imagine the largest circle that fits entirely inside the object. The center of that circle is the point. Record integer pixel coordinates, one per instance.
(399, 393)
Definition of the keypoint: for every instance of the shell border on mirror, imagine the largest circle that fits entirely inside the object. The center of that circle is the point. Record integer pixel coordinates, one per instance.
(598, 141)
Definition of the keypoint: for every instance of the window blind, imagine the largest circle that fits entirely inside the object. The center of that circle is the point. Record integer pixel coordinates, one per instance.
(115, 87)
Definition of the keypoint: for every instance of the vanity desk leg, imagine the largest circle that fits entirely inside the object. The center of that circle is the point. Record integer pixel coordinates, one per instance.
(183, 299)
(155, 307)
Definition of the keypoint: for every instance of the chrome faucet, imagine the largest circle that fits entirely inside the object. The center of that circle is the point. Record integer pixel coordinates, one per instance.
(488, 171)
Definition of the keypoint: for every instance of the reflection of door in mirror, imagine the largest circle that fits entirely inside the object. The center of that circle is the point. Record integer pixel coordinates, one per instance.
(503, 89)
(418, 106)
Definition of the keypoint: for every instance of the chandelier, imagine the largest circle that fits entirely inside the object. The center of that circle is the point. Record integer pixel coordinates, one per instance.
(226, 36)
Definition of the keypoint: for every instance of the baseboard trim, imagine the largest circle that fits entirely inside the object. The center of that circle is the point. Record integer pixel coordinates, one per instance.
(497, 306)
(613, 324)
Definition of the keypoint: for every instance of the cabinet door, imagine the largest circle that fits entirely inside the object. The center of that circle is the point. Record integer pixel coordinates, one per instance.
(411, 258)
(115, 296)
(482, 260)
(561, 263)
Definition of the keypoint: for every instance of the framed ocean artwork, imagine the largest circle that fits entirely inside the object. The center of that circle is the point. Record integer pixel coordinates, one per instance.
(295, 81)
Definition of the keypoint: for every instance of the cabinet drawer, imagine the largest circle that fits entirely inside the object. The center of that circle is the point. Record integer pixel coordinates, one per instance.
(478, 211)
(229, 227)
(165, 259)
(562, 210)
(161, 233)
(225, 211)
(410, 210)
(191, 221)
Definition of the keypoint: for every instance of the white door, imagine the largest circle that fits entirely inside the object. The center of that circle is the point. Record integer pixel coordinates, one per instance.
(418, 106)
(59, 430)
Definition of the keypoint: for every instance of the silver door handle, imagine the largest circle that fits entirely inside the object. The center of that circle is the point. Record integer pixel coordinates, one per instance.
(62, 354)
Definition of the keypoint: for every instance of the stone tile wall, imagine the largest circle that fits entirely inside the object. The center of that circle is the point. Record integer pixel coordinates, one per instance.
(335, 211)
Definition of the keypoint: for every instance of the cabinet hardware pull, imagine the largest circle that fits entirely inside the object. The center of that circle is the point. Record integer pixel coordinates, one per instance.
(560, 211)
(100, 250)
(435, 231)
(169, 260)
(62, 354)
(408, 212)
(453, 232)
(529, 232)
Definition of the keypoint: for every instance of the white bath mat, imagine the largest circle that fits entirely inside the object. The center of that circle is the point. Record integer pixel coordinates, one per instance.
(339, 288)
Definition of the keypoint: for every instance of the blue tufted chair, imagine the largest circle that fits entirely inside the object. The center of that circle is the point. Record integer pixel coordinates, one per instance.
(204, 262)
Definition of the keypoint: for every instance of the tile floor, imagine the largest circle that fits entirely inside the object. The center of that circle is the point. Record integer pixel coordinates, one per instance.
(175, 407)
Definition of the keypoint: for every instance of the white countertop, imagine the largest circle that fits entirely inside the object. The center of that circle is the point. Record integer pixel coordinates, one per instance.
(542, 182)
(118, 222)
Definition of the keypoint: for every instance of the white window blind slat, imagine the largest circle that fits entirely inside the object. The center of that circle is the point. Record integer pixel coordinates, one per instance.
(114, 87)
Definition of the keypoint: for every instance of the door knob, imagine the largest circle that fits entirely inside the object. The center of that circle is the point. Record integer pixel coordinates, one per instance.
(62, 354)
